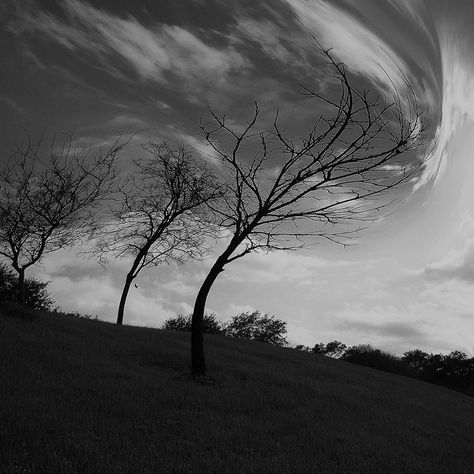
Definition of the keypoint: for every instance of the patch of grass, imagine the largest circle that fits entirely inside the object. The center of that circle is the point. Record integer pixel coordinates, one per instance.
(81, 396)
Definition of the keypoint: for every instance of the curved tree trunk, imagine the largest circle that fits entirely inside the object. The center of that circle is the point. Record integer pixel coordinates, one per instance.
(198, 358)
(123, 298)
(131, 275)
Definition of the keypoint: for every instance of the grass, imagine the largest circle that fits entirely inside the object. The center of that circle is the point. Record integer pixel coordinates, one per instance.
(81, 396)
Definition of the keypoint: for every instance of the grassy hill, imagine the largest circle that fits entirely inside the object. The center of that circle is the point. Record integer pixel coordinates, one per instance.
(89, 397)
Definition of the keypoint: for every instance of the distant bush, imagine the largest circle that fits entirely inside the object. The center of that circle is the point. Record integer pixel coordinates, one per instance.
(334, 349)
(303, 348)
(184, 322)
(252, 326)
(367, 355)
(455, 370)
(257, 327)
(36, 294)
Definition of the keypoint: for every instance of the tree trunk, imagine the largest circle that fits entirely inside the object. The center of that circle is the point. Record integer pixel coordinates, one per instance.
(21, 287)
(198, 359)
(123, 298)
(131, 275)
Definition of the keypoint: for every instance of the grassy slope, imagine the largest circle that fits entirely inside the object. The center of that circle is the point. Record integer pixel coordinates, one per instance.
(84, 396)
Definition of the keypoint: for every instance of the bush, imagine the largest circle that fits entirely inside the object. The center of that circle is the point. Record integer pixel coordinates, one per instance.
(257, 327)
(453, 370)
(366, 355)
(303, 348)
(334, 349)
(36, 294)
(184, 323)
(252, 326)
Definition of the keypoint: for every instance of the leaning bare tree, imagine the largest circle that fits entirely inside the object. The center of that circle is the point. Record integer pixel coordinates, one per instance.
(282, 192)
(160, 213)
(47, 200)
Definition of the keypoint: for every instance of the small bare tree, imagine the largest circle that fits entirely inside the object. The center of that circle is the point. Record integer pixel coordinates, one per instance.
(282, 192)
(47, 201)
(160, 214)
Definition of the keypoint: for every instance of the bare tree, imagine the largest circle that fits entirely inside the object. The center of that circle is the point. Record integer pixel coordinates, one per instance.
(160, 216)
(48, 200)
(283, 192)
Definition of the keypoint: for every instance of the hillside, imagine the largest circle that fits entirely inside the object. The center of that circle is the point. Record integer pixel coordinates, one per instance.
(83, 396)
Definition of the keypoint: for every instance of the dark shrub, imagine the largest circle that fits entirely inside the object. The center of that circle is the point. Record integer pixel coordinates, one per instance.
(365, 354)
(319, 349)
(334, 349)
(453, 370)
(184, 322)
(257, 327)
(36, 295)
(303, 348)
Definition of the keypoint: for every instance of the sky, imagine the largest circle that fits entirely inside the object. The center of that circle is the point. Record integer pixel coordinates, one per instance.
(106, 68)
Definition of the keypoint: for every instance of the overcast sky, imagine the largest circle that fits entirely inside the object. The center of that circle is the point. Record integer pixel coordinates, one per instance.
(102, 68)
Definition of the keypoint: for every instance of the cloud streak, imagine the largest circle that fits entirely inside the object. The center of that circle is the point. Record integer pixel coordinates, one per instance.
(457, 103)
(457, 266)
(353, 43)
(156, 53)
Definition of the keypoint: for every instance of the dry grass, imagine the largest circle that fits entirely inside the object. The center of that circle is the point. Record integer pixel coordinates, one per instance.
(80, 396)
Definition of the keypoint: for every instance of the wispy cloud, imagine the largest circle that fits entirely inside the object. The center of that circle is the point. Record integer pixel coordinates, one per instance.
(268, 35)
(201, 147)
(353, 43)
(282, 267)
(13, 104)
(456, 266)
(398, 330)
(414, 10)
(414, 324)
(125, 120)
(156, 53)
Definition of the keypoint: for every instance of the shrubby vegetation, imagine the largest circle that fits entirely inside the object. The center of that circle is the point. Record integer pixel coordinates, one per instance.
(36, 295)
(257, 327)
(333, 349)
(184, 323)
(454, 370)
(253, 326)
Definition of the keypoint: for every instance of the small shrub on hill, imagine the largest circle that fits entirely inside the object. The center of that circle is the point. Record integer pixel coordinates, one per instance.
(303, 348)
(334, 349)
(36, 294)
(257, 327)
(367, 355)
(183, 323)
(253, 326)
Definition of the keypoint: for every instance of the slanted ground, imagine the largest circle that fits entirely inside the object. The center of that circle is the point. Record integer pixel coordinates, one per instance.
(81, 396)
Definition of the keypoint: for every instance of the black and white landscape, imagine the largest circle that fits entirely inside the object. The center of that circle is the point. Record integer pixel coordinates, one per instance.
(282, 183)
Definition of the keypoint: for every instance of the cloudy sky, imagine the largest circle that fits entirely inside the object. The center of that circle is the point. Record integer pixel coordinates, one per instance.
(102, 68)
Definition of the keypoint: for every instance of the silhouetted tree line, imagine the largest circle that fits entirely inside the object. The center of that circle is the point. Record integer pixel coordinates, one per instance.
(253, 326)
(454, 370)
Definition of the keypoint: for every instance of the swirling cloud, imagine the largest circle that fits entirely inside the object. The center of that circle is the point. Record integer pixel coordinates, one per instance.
(353, 43)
